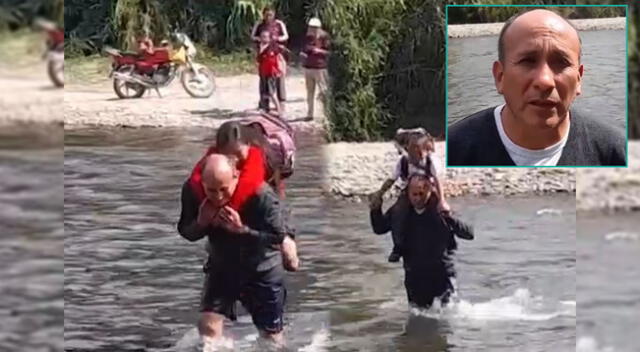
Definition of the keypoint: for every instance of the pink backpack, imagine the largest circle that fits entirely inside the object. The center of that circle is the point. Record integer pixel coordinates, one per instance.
(281, 139)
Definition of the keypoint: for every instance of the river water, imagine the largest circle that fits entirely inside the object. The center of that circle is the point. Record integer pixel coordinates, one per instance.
(608, 287)
(31, 253)
(471, 87)
(132, 283)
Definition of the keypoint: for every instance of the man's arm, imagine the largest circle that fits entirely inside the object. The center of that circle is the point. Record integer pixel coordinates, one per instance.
(188, 226)
(255, 36)
(459, 228)
(381, 223)
(274, 228)
(285, 35)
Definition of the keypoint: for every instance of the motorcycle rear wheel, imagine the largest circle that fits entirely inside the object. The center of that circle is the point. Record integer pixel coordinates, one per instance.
(127, 90)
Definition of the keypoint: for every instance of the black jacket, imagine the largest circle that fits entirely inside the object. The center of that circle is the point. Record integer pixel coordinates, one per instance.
(474, 141)
(429, 243)
(254, 251)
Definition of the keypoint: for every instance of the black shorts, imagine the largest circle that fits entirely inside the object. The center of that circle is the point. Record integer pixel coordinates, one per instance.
(422, 289)
(261, 293)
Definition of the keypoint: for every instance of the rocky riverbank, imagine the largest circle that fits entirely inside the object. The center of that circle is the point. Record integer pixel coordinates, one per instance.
(488, 29)
(355, 170)
(611, 189)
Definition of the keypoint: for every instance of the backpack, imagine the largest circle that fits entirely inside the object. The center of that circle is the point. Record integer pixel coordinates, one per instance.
(281, 148)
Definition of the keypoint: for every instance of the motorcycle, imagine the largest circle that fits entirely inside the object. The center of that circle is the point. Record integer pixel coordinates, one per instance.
(54, 51)
(134, 73)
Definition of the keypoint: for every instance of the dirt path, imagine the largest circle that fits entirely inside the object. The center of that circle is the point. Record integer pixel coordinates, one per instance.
(235, 96)
(28, 96)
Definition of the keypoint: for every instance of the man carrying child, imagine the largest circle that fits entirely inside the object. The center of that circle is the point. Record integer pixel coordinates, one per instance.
(428, 242)
(419, 160)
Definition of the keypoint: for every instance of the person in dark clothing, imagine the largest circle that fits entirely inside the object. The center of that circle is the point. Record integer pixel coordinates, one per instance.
(539, 74)
(420, 159)
(245, 262)
(429, 243)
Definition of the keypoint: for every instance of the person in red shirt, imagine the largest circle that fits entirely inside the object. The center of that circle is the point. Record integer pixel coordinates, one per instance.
(279, 34)
(269, 52)
(248, 146)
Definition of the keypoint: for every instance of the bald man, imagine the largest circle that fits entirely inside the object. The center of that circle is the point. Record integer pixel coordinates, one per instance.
(245, 262)
(539, 73)
(428, 242)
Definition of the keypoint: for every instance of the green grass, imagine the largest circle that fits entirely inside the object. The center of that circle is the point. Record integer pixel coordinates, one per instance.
(21, 49)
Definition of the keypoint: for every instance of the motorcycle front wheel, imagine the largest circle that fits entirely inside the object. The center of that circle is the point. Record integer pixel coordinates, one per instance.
(198, 86)
(127, 90)
(55, 68)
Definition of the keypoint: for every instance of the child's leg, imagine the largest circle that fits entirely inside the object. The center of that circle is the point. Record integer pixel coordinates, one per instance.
(273, 94)
(264, 93)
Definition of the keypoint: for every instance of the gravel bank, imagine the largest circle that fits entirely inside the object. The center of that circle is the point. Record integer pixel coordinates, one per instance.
(236, 96)
(487, 29)
(611, 189)
(355, 170)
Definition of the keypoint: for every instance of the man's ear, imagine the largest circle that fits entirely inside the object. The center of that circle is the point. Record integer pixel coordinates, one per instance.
(498, 72)
(579, 85)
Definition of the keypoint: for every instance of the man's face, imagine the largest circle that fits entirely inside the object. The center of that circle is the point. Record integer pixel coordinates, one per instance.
(269, 16)
(313, 30)
(419, 192)
(541, 73)
(220, 188)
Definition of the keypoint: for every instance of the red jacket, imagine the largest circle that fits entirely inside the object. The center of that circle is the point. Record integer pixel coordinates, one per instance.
(252, 176)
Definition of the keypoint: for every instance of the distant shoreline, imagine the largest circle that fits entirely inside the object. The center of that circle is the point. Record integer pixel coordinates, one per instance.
(489, 29)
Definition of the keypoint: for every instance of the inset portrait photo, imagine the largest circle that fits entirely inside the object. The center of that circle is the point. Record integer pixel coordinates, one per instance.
(536, 86)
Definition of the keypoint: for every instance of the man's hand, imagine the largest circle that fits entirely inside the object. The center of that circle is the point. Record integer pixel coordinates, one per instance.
(231, 221)
(375, 200)
(206, 213)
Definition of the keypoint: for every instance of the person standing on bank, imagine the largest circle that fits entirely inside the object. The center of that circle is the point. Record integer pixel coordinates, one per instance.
(315, 55)
(280, 36)
(539, 73)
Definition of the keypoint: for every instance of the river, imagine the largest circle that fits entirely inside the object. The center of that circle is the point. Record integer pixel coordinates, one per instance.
(132, 283)
(608, 287)
(471, 86)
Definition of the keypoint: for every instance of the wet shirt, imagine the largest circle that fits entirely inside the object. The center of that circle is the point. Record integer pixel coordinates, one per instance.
(427, 241)
(250, 252)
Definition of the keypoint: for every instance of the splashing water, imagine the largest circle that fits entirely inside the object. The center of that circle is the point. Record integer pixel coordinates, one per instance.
(589, 344)
(519, 306)
(549, 211)
(622, 235)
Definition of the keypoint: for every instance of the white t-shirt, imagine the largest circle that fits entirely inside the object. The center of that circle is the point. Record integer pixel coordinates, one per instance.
(548, 156)
(414, 170)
